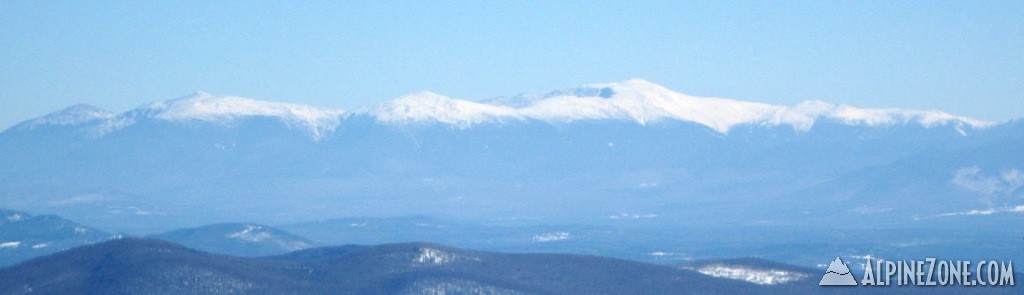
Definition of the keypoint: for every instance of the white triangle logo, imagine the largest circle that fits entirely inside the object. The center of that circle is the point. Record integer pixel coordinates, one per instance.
(838, 275)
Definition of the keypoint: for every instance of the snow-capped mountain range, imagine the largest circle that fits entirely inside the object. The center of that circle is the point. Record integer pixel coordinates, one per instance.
(634, 100)
(576, 155)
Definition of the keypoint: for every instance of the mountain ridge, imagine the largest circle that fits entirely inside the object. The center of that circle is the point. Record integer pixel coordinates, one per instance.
(634, 100)
(132, 265)
(240, 239)
(24, 236)
(153, 174)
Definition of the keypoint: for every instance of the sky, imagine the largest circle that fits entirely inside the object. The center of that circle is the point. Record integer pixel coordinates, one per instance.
(963, 57)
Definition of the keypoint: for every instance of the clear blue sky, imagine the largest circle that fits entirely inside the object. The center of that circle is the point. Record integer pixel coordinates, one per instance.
(965, 57)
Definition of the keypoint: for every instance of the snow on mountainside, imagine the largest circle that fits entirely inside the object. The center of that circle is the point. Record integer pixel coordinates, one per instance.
(753, 270)
(196, 107)
(644, 102)
(428, 106)
(633, 100)
(206, 107)
(223, 109)
(753, 275)
(73, 115)
(243, 239)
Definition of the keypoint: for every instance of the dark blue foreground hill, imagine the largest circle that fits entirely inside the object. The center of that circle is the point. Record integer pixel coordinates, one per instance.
(144, 266)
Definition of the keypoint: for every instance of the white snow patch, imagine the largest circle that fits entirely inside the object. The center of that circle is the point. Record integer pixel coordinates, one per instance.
(989, 211)
(438, 257)
(550, 237)
(84, 199)
(255, 233)
(40, 245)
(225, 109)
(144, 212)
(971, 178)
(454, 286)
(906, 244)
(74, 115)
(871, 210)
(203, 106)
(668, 255)
(11, 244)
(432, 107)
(752, 275)
(251, 233)
(15, 217)
(634, 216)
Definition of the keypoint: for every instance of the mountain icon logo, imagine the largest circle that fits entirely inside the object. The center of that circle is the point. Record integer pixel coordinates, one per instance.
(838, 275)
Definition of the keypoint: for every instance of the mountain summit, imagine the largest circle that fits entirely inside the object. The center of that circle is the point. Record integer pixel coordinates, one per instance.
(74, 115)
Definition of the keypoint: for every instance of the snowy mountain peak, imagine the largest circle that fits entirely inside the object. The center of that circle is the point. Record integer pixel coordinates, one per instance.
(644, 102)
(607, 90)
(202, 106)
(632, 85)
(632, 100)
(207, 107)
(73, 115)
(432, 107)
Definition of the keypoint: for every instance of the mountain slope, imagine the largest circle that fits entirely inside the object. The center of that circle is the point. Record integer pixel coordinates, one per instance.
(23, 236)
(239, 239)
(148, 266)
(135, 266)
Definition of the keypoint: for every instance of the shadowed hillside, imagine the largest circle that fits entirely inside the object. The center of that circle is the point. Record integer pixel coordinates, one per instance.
(144, 266)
